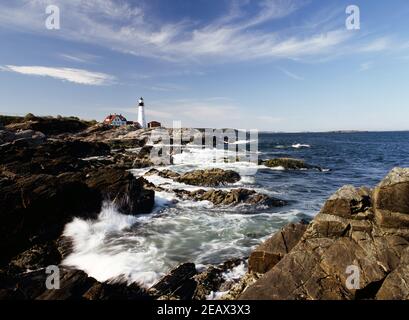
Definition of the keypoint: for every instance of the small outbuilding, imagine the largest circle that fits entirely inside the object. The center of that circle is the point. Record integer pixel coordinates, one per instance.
(154, 124)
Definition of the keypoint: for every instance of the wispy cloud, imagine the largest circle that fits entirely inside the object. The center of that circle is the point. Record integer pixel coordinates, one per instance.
(166, 87)
(380, 44)
(365, 66)
(78, 76)
(122, 26)
(290, 74)
(79, 58)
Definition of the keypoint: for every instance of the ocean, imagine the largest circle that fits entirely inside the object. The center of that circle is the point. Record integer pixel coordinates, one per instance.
(144, 248)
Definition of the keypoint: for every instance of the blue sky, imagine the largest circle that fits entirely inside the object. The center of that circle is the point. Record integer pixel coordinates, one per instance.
(277, 65)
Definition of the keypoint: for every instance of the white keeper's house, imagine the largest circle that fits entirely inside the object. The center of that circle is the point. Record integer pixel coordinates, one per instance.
(115, 120)
(118, 120)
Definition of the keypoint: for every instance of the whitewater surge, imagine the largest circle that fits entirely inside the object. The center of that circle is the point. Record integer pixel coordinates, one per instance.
(106, 249)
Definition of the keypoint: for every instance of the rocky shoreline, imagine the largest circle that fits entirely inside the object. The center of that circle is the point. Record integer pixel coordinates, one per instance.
(53, 170)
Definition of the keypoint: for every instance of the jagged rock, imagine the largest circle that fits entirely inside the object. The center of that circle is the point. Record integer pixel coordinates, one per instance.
(288, 164)
(184, 283)
(391, 201)
(125, 191)
(74, 285)
(51, 126)
(396, 284)
(163, 173)
(54, 157)
(348, 201)
(238, 288)
(37, 257)
(31, 137)
(115, 291)
(271, 251)
(212, 280)
(208, 281)
(209, 177)
(177, 283)
(231, 197)
(36, 208)
(64, 246)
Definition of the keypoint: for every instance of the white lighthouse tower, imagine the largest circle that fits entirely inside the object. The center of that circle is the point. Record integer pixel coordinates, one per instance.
(141, 113)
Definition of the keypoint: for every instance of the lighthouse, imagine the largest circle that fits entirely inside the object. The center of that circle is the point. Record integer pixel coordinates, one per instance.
(141, 113)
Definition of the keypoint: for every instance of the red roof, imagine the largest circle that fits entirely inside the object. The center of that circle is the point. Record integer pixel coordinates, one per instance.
(112, 117)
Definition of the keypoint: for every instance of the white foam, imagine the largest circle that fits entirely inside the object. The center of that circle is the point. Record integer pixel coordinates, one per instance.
(278, 168)
(145, 247)
(98, 250)
(216, 295)
(246, 180)
(232, 275)
(236, 273)
(241, 142)
(299, 145)
(195, 158)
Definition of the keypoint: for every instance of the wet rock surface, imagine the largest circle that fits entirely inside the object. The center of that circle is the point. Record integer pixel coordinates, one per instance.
(231, 197)
(186, 283)
(74, 285)
(209, 178)
(177, 284)
(122, 189)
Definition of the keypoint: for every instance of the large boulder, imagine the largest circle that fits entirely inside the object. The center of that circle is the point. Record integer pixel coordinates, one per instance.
(209, 178)
(121, 188)
(231, 197)
(391, 200)
(348, 201)
(271, 251)
(395, 286)
(168, 174)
